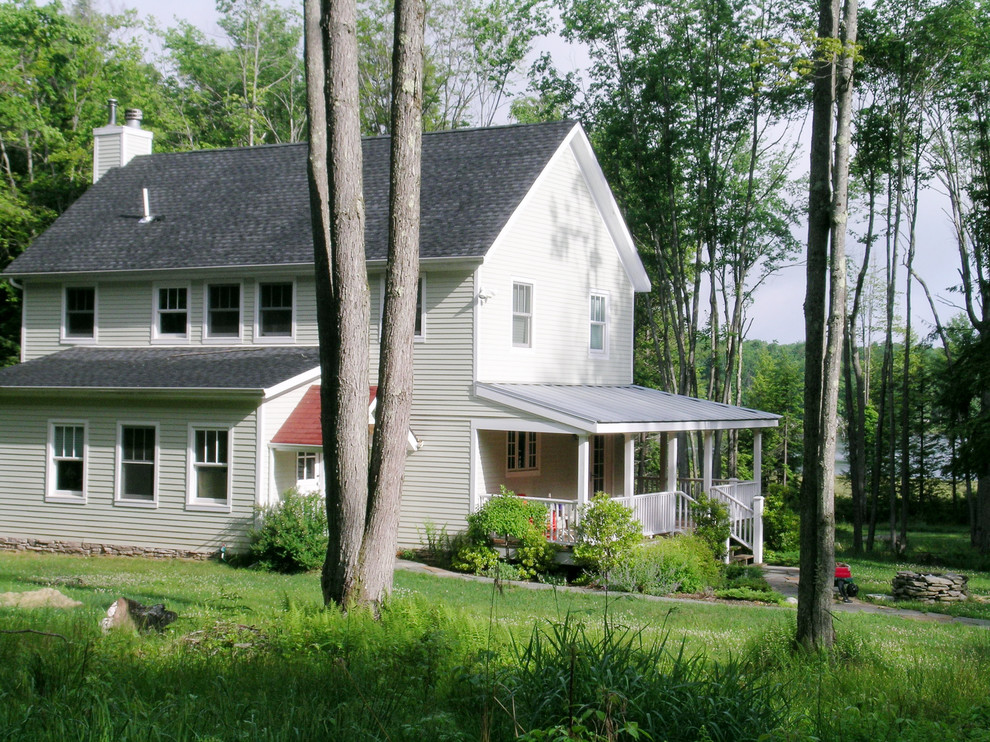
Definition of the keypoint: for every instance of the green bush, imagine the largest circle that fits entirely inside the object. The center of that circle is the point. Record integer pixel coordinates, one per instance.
(780, 522)
(511, 517)
(507, 515)
(293, 534)
(606, 533)
(711, 523)
(683, 563)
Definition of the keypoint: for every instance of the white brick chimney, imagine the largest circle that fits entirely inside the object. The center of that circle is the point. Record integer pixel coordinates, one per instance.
(114, 146)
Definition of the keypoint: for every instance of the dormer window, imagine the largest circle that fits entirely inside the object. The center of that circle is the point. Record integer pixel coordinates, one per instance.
(223, 310)
(275, 302)
(79, 321)
(172, 312)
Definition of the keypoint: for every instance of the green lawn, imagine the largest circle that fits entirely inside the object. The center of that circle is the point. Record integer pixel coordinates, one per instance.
(254, 656)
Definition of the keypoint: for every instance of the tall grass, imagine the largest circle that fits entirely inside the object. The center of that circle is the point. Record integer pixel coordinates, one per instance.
(255, 657)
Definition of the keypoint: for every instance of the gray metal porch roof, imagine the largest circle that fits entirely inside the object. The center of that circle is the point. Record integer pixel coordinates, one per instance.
(622, 408)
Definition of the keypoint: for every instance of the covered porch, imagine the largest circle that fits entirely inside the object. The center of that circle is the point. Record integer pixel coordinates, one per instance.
(573, 441)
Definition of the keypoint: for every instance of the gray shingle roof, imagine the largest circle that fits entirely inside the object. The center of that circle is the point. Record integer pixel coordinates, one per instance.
(603, 408)
(250, 206)
(221, 368)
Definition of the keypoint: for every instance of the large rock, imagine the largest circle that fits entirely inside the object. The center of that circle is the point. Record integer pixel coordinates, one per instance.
(129, 614)
(930, 588)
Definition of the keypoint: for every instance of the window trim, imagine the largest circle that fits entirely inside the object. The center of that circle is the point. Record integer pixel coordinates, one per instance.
(421, 306)
(258, 337)
(223, 339)
(64, 335)
(51, 474)
(603, 351)
(317, 480)
(193, 501)
(537, 444)
(167, 337)
(529, 316)
(119, 498)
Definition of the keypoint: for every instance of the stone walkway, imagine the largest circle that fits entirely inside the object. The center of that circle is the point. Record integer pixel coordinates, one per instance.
(782, 579)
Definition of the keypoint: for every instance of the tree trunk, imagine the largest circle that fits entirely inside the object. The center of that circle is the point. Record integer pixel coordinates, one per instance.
(395, 376)
(826, 274)
(337, 207)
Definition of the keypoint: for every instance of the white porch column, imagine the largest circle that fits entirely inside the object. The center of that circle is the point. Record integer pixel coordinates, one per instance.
(671, 462)
(629, 465)
(758, 530)
(475, 473)
(584, 469)
(706, 476)
(758, 459)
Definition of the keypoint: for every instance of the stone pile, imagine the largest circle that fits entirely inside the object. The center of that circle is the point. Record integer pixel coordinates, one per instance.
(930, 588)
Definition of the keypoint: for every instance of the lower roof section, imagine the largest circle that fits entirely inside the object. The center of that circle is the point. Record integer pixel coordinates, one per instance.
(622, 409)
(190, 368)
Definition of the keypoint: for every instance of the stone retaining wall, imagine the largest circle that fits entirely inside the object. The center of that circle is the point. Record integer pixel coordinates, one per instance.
(88, 549)
(930, 588)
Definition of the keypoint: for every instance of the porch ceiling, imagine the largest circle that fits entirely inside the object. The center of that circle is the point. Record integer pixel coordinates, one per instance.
(622, 409)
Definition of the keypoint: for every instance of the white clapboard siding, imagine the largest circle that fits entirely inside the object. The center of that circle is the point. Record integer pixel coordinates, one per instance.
(25, 513)
(558, 243)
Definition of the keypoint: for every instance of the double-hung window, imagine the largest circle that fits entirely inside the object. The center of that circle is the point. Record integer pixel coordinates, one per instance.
(522, 315)
(418, 332)
(522, 451)
(209, 483)
(79, 320)
(67, 461)
(223, 310)
(275, 310)
(137, 455)
(172, 312)
(598, 325)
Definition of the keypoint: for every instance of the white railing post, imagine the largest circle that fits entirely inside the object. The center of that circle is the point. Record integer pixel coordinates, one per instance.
(758, 530)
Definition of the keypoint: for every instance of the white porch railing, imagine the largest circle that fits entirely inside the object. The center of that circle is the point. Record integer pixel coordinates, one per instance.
(661, 512)
(745, 514)
(666, 512)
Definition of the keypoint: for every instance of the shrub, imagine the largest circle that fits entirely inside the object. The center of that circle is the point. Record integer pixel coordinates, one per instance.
(780, 522)
(512, 517)
(505, 514)
(711, 523)
(293, 534)
(683, 563)
(606, 533)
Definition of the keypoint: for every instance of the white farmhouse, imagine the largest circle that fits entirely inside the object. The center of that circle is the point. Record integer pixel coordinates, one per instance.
(168, 383)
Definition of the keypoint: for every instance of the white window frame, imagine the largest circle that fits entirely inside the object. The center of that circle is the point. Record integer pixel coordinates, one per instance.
(80, 339)
(603, 323)
(119, 498)
(420, 335)
(527, 315)
(258, 337)
(52, 494)
(532, 443)
(221, 339)
(317, 480)
(193, 501)
(157, 336)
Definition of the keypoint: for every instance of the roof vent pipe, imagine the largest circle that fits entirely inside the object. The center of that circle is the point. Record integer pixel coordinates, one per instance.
(147, 209)
(132, 117)
(112, 112)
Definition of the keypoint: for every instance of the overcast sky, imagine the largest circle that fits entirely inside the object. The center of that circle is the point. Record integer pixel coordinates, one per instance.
(777, 312)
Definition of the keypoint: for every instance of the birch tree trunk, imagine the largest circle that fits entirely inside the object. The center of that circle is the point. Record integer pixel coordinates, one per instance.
(337, 206)
(395, 374)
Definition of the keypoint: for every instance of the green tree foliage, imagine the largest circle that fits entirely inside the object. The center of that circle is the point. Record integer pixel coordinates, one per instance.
(57, 69)
(248, 89)
(607, 532)
(678, 102)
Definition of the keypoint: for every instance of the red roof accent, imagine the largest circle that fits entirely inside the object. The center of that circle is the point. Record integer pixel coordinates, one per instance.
(302, 427)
